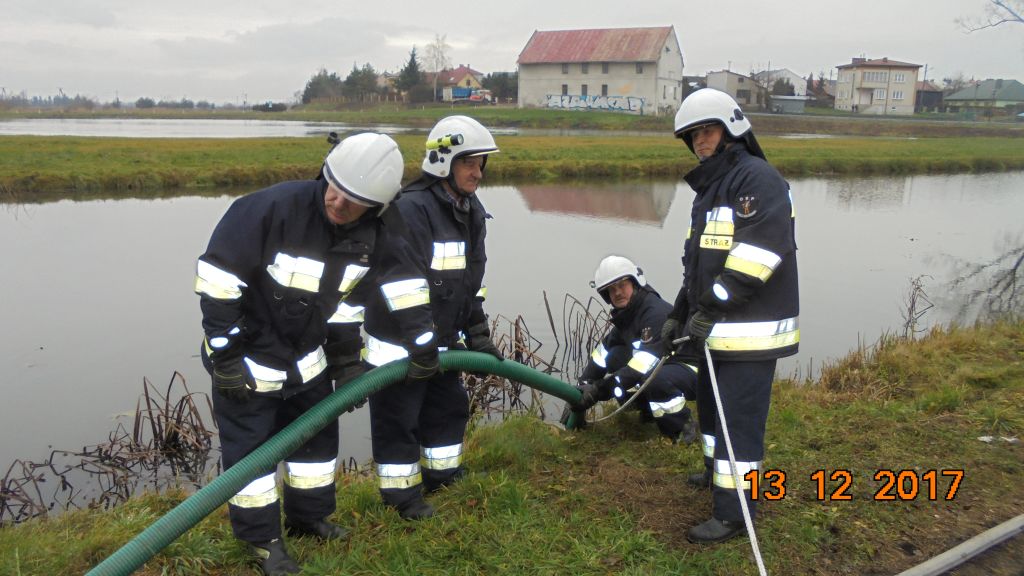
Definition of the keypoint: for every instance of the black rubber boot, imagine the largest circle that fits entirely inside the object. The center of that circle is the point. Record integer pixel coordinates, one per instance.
(699, 479)
(320, 529)
(432, 487)
(689, 432)
(274, 558)
(713, 531)
(415, 509)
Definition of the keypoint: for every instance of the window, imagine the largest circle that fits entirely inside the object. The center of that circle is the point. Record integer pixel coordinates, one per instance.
(604, 89)
(565, 68)
(468, 83)
(664, 92)
(585, 68)
(876, 76)
(898, 77)
(897, 94)
(879, 94)
(740, 80)
(743, 95)
(604, 67)
(583, 90)
(639, 67)
(565, 89)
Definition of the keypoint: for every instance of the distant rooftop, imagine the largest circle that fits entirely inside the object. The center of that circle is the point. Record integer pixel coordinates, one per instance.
(595, 45)
(878, 63)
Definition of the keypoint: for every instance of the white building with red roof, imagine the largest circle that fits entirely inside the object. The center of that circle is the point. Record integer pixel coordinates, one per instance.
(636, 70)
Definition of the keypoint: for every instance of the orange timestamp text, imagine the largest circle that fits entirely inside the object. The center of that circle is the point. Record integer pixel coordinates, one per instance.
(836, 485)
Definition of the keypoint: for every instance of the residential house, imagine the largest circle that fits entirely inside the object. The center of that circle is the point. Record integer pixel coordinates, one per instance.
(745, 90)
(449, 79)
(635, 70)
(880, 86)
(768, 78)
(991, 98)
(928, 98)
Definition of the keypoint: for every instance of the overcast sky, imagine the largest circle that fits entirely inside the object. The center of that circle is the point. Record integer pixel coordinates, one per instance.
(226, 50)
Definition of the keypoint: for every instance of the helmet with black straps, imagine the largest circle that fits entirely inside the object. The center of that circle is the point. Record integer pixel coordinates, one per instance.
(452, 138)
(611, 270)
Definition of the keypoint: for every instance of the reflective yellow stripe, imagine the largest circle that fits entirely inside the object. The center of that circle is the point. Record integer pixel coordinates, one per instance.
(398, 476)
(723, 477)
(482, 293)
(312, 364)
(353, 274)
(406, 293)
(301, 273)
(449, 256)
(659, 409)
(709, 445)
(346, 314)
(600, 355)
(742, 336)
(217, 283)
(642, 361)
(267, 379)
(306, 475)
(442, 457)
(715, 228)
(256, 494)
(752, 261)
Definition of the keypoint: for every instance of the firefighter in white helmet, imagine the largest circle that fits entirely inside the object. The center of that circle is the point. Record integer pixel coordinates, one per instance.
(276, 285)
(629, 353)
(418, 426)
(739, 294)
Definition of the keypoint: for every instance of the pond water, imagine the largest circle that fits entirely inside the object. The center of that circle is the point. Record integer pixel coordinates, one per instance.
(98, 295)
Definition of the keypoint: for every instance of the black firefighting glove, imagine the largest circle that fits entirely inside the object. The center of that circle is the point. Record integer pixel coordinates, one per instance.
(231, 379)
(671, 330)
(478, 339)
(699, 326)
(345, 368)
(590, 393)
(423, 366)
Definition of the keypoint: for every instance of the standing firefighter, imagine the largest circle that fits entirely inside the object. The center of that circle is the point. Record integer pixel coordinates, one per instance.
(418, 426)
(739, 294)
(628, 355)
(280, 332)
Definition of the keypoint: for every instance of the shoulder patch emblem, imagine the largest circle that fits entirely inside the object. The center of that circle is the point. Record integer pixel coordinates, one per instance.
(746, 206)
(646, 335)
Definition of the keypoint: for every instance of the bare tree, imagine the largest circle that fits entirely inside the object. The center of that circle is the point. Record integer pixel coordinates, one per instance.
(437, 57)
(996, 12)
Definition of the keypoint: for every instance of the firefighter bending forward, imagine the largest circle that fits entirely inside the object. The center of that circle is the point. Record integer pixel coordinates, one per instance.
(417, 426)
(739, 294)
(628, 355)
(280, 333)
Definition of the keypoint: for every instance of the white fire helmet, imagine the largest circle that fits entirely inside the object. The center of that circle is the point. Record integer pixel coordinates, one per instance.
(612, 269)
(452, 138)
(367, 167)
(709, 106)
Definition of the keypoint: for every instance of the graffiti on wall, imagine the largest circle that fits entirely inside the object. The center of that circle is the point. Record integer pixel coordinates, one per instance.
(615, 103)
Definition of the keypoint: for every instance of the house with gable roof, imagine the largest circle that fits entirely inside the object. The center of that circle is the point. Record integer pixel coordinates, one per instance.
(990, 97)
(634, 70)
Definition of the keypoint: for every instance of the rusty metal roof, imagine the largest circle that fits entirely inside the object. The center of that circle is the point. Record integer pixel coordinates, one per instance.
(596, 45)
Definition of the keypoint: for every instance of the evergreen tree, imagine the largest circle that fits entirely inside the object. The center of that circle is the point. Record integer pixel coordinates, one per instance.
(410, 75)
(323, 85)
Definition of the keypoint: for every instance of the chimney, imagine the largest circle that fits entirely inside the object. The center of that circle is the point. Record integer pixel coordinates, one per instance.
(885, 59)
(859, 60)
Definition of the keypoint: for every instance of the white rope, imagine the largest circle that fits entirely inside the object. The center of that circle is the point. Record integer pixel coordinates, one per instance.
(732, 463)
(661, 362)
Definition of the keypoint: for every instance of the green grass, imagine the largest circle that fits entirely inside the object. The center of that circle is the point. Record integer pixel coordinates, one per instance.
(39, 168)
(612, 499)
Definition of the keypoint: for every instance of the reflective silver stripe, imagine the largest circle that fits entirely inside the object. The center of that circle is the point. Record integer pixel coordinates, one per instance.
(312, 364)
(659, 409)
(301, 273)
(422, 339)
(404, 294)
(720, 222)
(482, 293)
(752, 261)
(741, 336)
(691, 367)
(256, 494)
(217, 283)
(305, 475)
(353, 274)
(398, 476)
(346, 314)
(442, 457)
(600, 356)
(379, 352)
(642, 361)
(267, 379)
(449, 256)
(709, 445)
(723, 477)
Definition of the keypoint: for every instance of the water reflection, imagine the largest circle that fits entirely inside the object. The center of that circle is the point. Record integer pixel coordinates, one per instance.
(98, 294)
(646, 202)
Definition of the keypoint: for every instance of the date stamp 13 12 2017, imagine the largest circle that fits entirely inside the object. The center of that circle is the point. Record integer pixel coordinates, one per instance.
(837, 485)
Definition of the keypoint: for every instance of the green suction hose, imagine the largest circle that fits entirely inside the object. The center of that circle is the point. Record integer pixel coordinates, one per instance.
(176, 522)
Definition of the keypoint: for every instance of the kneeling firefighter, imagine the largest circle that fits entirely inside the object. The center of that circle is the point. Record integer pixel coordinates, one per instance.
(628, 354)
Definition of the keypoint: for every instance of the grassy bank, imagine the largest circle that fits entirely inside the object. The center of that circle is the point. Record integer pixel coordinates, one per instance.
(35, 168)
(613, 499)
